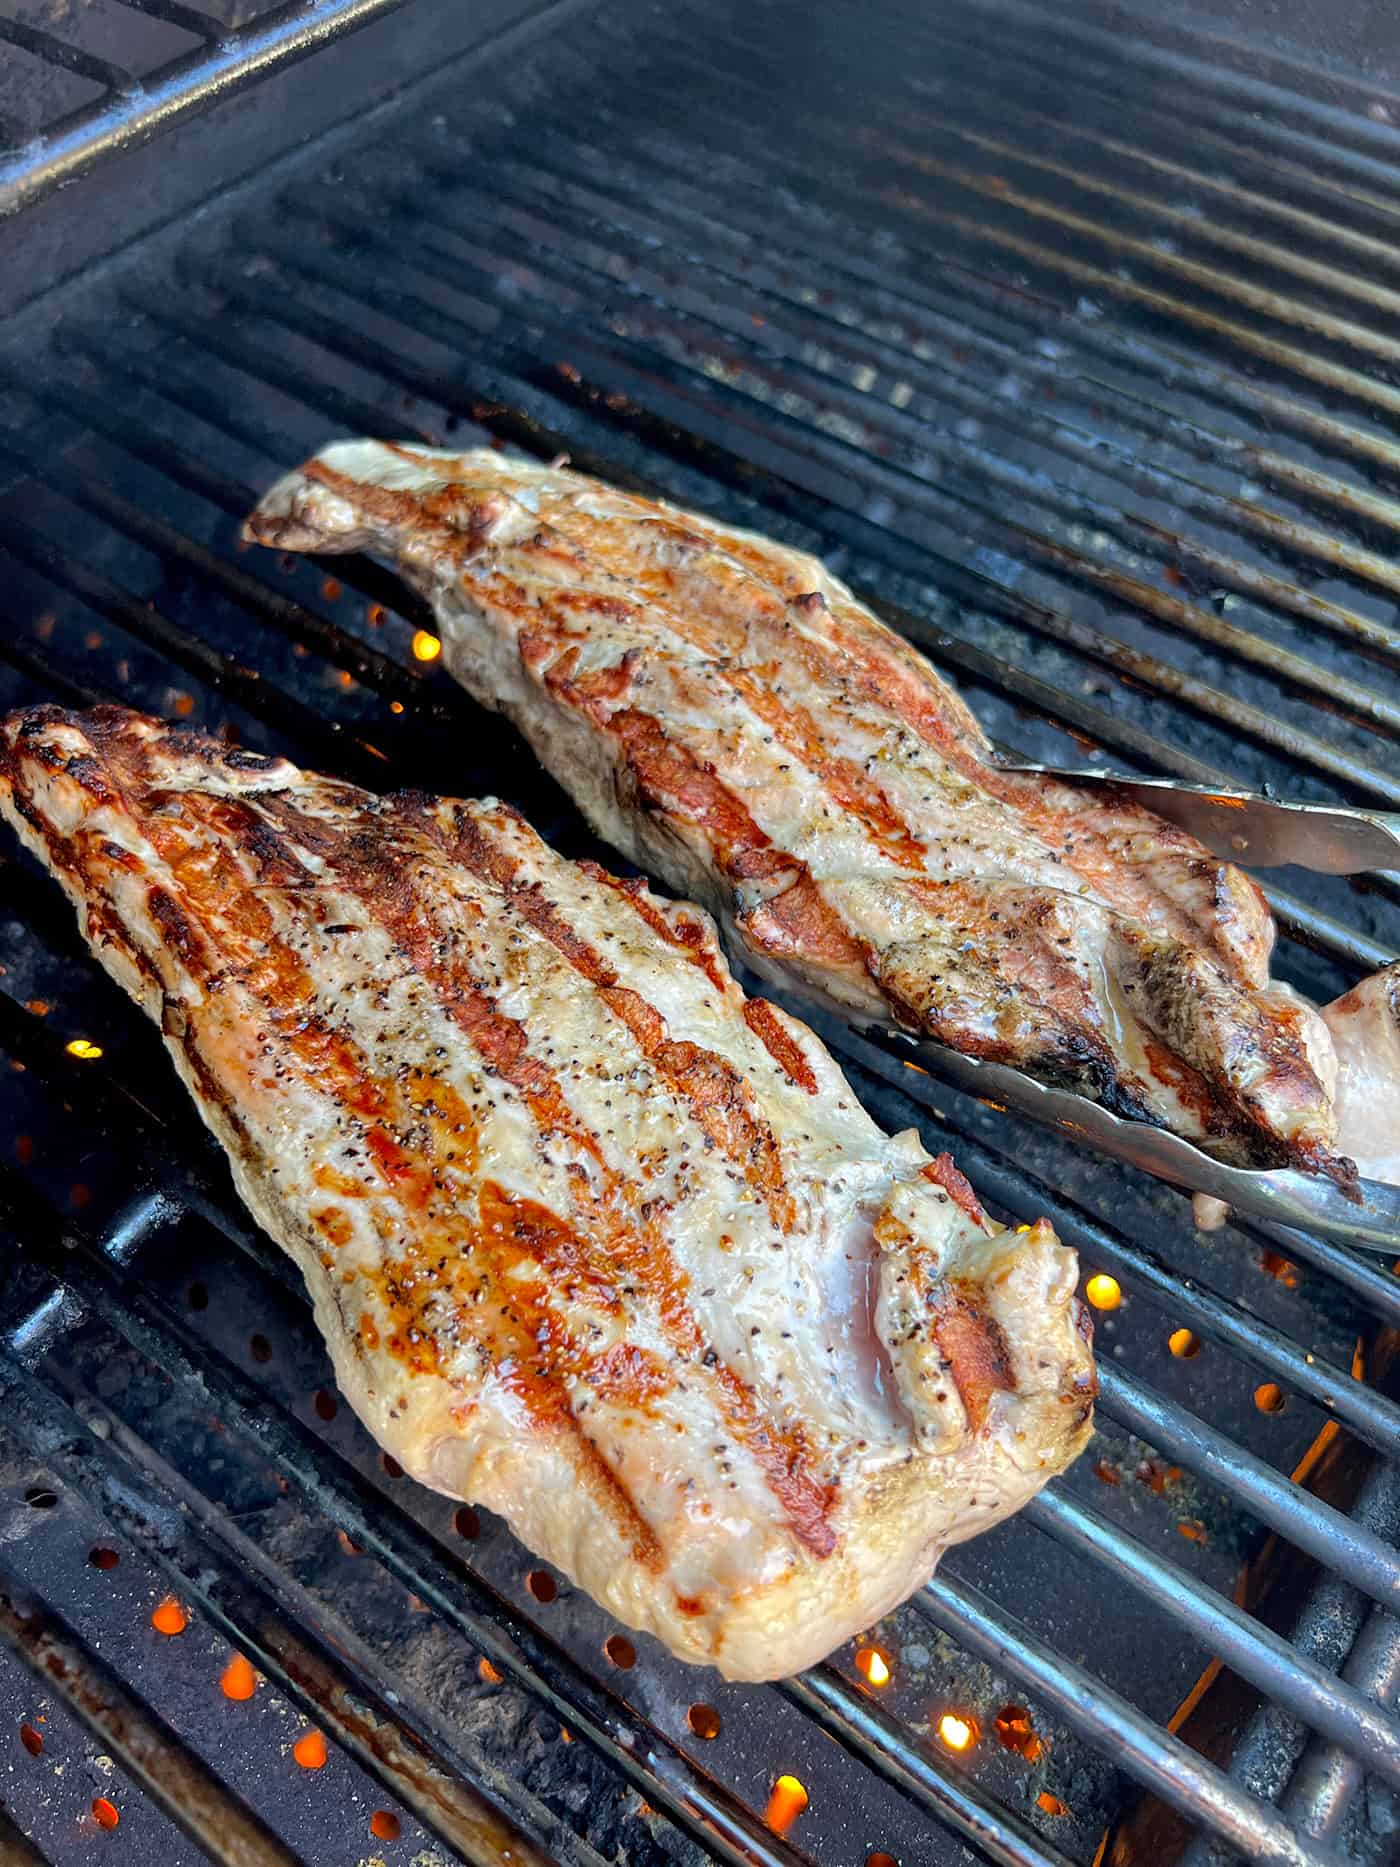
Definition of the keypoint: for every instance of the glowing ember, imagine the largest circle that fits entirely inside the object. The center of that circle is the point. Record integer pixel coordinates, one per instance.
(101, 1557)
(239, 1681)
(84, 1049)
(1103, 1291)
(620, 1651)
(1183, 1344)
(1050, 1804)
(168, 1617)
(1278, 1266)
(881, 1859)
(1193, 1530)
(106, 1814)
(425, 647)
(957, 1732)
(488, 1673)
(31, 1740)
(872, 1664)
(787, 1801)
(384, 1825)
(703, 1721)
(1015, 1732)
(1269, 1397)
(310, 1750)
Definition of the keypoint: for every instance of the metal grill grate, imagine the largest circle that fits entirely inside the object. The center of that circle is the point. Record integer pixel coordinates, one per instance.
(1095, 412)
(94, 78)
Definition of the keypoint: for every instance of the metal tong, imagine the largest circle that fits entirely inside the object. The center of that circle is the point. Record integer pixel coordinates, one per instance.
(1256, 832)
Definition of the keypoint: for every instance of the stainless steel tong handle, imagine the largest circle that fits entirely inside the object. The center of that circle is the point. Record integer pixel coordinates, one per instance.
(1286, 1196)
(1259, 832)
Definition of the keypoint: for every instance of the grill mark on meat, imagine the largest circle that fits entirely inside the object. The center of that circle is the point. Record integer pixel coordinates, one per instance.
(858, 654)
(796, 918)
(943, 1171)
(408, 1284)
(763, 1020)
(720, 1100)
(845, 782)
(373, 870)
(335, 1067)
(685, 934)
(974, 1346)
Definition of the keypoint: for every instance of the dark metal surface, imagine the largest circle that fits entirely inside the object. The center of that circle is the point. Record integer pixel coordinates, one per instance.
(1093, 400)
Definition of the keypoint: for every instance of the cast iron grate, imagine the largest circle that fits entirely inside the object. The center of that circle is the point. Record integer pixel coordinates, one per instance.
(78, 82)
(1101, 421)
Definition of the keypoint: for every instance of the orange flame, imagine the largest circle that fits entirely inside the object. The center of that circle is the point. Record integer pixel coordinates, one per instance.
(873, 1665)
(169, 1617)
(310, 1750)
(106, 1814)
(956, 1731)
(787, 1801)
(239, 1681)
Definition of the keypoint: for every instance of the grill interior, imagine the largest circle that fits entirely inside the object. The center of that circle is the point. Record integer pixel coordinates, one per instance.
(1095, 403)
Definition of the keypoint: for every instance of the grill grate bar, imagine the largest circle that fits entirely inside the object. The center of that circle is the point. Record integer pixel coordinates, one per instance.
(1378, 1288)
(292, 620)
(171, 1775)
(420, 1566)
(189, 19)
(1250, 1649)
(159, 1349)
(841, 349)
(129, 112)
(857, 1723)
(119, 1478)
(65, 57)
(1301, 920)
(1179, 1775)
(16, 1849)
(1356, 1554)
(712, 415)
(300, 722)
(454, 1592)
(916, 492)
(1030, 314)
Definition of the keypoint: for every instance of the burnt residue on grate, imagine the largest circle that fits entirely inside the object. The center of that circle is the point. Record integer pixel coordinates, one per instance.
(1067, 338)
